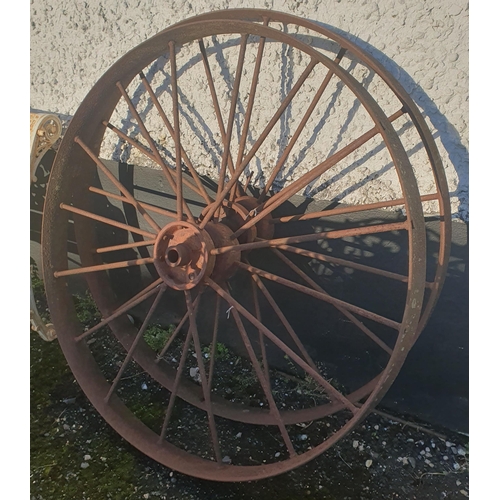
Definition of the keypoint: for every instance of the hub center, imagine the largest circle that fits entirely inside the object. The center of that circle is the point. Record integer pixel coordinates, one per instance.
(182, 255)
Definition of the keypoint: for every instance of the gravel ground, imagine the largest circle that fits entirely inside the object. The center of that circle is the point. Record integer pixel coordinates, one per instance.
(76, 455)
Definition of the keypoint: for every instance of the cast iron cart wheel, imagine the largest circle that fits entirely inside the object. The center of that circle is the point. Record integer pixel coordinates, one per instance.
(214, 243)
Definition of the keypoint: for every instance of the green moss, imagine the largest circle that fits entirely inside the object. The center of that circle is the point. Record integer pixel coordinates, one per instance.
(156, 336)
(152, 413)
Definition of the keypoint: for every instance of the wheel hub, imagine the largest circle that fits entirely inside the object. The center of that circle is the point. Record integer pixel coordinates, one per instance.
(182, 255)
(235, 214)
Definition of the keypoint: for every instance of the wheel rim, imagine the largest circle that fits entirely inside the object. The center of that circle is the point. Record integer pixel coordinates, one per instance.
(221, 259)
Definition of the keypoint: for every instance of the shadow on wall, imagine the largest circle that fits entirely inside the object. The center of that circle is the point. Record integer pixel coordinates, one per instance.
(457, 152)
(450, 138)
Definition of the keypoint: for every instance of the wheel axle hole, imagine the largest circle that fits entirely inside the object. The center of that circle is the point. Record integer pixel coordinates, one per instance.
(173, 256)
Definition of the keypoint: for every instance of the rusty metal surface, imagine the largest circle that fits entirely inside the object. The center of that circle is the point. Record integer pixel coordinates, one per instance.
(45, 131)
(196, 258)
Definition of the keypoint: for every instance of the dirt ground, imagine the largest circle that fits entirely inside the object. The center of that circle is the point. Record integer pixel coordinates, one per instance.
(76, 455)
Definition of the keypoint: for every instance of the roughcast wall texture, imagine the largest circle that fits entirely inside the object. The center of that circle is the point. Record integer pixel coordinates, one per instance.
(423, 43)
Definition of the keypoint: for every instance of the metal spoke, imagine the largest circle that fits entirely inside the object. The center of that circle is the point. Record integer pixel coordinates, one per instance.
(135, 300)
(346, 263)
(151, 208)
(349, 209)
(296, 135)
(346, 313)
(139, 207)
(251, 98)
(258, 315)
(176, 331)
(285, 322)
(260, 140)
(232, 110)
(105, 220)
(125, 246)
(153, 147)
(215, 102)
(175, 388)
(151, 156)
(266, 386)
(333, 393)
(161, 112)
(138, 337)
(340, 233)
(177, 131)
(274, 202)
(321, 296)
(103, 267)
(214, 342)
(192, 311)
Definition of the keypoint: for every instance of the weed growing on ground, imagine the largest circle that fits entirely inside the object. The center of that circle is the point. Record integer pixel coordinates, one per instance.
(156, 336)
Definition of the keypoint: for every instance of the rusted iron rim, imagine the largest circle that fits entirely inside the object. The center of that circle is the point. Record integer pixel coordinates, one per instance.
(88, 126)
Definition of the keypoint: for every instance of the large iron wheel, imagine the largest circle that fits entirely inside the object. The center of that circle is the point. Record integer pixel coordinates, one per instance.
(215, 248)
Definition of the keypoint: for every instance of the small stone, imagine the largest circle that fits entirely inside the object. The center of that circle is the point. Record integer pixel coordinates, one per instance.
(422, 452)
(464, 493)
(383, 443)
(456, 466)
(226, 460)
(445, 457)
(427, 449)
(69, 401)
(84, 465)
(103, 459)
(195, 374)
(412, 462)
(448, 444)
(173, 480)
(146, 495)
(144, 387)
(433, 444)
(454, 450)
(66, 427)
(376, 427)
(303, 437)
(368, 463)
(461, 452)
(458, 483)
(238, 435)
(361, 447)
(405, 461)
(277, 454)
(171, 474)
(87, 457)
(355, 444)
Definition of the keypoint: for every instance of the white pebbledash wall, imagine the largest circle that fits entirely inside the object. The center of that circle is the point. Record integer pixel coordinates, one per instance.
(424, 43)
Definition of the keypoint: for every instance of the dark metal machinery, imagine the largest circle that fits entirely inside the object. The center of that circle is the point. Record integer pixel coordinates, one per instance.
(208, 247)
